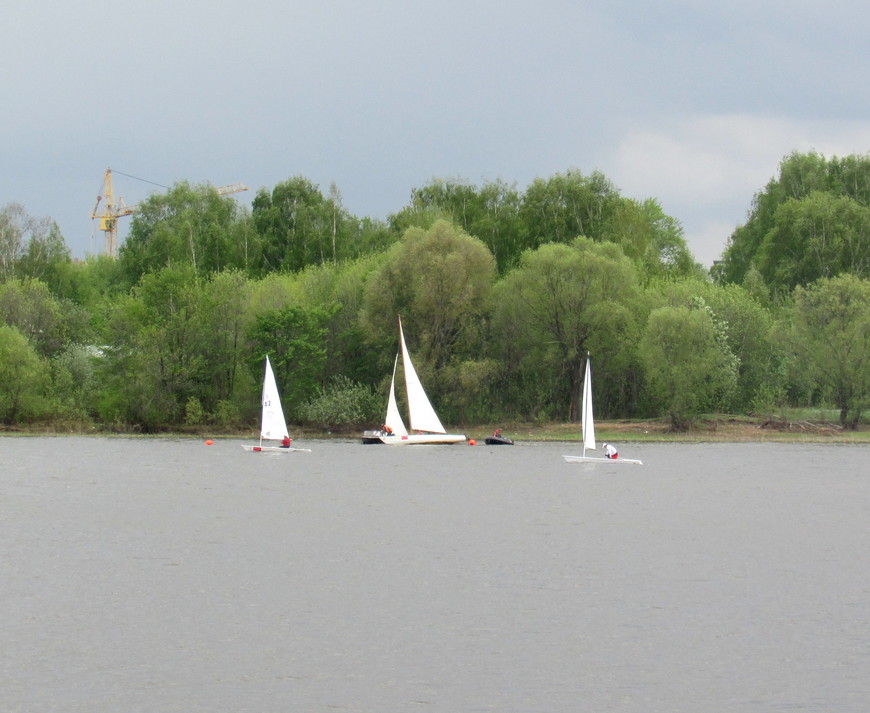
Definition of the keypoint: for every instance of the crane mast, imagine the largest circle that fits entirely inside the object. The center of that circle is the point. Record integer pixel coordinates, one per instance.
(114, 208)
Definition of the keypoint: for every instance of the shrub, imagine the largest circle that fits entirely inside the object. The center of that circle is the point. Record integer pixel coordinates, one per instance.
(342, 403)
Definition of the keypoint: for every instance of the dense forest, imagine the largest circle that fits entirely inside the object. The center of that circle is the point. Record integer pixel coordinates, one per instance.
(501, 292)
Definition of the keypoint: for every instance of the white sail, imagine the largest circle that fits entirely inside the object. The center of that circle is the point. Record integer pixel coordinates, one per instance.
(588, 419)
(273, 426)
(422, 415)
(394, 418)
(589, 427)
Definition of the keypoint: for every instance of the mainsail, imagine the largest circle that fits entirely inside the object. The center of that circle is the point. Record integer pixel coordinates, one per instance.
(422, 415)
(273, 425)
(588, 420)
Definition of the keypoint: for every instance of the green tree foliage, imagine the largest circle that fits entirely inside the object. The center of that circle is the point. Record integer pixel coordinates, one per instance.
(30, 247)
(653, 240)
(189, 225)
(748, 330)
(21, 373)
(73, 385)
(297, 226)
(29, 306)
(222, 308)
(562, 301)
(820, 235)
(342, 404)
(340, 287)
(294, 338)
(175, 331)
(831, 337)
(687, 363)
(565, 206)
(175, 337)
(438, 280)
(775, 233)
(557, 209)
(490, 214)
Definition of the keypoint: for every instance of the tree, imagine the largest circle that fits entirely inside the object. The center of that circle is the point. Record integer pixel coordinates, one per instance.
(747, 330)
(30, 307)
(294, 338)
(189, 225)
(771, 234)
(298, 226)
(29, 247)
(687, 364)
(490, 213)
(653, 240)
(20, 375)
(438, 280)
(566, 206)
(560, 302)
(158, 357)
(831, 336)
(820, 235)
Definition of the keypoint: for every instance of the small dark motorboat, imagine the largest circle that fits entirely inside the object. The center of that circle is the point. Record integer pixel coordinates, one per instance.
(496, 439)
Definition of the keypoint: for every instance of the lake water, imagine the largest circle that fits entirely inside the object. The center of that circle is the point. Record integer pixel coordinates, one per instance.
(167, 575)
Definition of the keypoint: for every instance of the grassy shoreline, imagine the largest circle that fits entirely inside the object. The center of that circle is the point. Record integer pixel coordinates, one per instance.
(723, 429)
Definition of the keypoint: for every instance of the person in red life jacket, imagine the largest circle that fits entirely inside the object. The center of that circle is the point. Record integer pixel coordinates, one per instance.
(497, 433)
(285, 443)
(386, 430)
(610, 451)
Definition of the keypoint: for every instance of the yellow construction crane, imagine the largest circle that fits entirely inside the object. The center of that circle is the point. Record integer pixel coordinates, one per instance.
(114, 208)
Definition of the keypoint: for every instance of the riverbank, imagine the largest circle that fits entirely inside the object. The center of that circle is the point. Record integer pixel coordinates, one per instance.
(717, 430)
(720, 429)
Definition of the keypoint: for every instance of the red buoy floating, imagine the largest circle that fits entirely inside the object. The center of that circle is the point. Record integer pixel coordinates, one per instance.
(209, 442)
(472, 442)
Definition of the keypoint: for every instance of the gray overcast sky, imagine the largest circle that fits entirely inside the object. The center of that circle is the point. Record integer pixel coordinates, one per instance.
(692, 103)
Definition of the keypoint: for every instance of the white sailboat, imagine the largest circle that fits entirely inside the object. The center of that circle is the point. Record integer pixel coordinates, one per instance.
(588, 425)
(424, 421)
(273, 427)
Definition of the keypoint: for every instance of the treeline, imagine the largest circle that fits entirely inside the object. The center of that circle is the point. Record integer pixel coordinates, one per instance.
(502, 293)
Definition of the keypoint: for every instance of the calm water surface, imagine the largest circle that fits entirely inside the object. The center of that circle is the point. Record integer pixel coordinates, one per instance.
(167, 575)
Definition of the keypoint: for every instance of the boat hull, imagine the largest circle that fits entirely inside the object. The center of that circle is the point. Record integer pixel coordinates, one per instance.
(274, 449)
(413, 438)
(498, 441)
(590, 459)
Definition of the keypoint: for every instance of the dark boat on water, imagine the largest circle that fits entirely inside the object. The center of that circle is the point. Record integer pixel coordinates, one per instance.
(497, 439)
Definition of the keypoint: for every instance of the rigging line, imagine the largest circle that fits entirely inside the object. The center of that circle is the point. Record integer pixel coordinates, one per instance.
(144, 180)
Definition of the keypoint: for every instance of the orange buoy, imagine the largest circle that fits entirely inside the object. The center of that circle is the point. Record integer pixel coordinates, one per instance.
(472, 442)
(209, 442)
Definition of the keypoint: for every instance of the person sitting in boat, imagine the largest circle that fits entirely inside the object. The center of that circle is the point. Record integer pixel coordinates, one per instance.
(610, 451)
(285, 442)
(386, 430)
(497, 433)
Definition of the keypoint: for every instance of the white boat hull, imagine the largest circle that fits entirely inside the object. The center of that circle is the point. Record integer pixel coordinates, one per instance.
(274, 449)
(413, 438)
(591, 459)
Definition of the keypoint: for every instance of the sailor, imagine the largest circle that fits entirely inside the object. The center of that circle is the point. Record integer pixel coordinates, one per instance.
(285, 443)
(497, 433)
(386, 430)
(610, 451)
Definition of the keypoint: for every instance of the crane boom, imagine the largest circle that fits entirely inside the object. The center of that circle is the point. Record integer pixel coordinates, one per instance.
(114, 208)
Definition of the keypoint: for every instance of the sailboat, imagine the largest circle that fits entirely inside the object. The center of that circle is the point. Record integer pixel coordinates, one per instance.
(273, 427)
(422, 417)
(588, 425)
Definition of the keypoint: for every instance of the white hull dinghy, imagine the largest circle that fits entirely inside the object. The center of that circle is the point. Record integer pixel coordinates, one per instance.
(588, 425)
(423, 419)
(273, 427)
